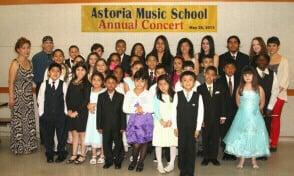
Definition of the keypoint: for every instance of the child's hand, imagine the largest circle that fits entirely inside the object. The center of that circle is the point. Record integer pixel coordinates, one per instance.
(139, 109)
(197, 133)
(222, 120)
(162, 122)
(91, 107)
(75, 114)
(100, 131)
(268, 113)
(169, 123)
(176, 132)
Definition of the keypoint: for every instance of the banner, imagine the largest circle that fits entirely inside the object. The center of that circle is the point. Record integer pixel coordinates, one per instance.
(141, 18)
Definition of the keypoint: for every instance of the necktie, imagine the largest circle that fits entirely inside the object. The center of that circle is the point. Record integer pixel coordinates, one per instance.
(151, 76)
(262, 74)
(188, 96)
(210, 90)
(230, 86)
(53, 85)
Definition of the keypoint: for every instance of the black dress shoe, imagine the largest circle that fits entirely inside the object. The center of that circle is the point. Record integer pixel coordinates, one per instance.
(263, 158)
(50, 160)
(273, 149)
(140, 167)
(225, 157)
(107, 165)
(132, 165)
(204, 162)
(60, 159)
(215, 162)
(118, 166)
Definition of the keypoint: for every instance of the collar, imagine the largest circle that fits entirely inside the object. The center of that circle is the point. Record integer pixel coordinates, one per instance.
(56, 82)
(266, 71)
(228, 77)
(234, 54)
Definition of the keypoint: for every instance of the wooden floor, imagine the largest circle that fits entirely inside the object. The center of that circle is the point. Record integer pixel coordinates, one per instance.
(279, 164)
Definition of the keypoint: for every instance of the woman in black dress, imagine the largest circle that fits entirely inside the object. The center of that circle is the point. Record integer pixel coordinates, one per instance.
(77, 99)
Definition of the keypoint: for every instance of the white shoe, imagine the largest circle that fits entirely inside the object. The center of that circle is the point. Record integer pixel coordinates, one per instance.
(169, 168)
(93, 160)
(160, 168)
(101, 160)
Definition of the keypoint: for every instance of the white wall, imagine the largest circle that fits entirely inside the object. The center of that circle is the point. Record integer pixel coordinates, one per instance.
(63, 22)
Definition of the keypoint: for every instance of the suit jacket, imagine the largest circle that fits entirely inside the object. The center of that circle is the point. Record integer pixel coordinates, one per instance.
(109, 112)
(230, 100)
(214, 106)
(125, 63)
(241, 61)
(67, 62)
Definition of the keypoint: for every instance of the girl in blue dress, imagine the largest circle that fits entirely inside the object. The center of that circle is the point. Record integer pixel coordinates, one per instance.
(248, 137)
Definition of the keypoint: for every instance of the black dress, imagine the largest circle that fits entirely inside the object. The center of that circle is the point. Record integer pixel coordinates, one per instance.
(77, 99)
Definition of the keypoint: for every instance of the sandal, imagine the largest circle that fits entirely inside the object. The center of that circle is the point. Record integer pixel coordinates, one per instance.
(93, 160)
(72, 159)
(80, 159)
(101, 159)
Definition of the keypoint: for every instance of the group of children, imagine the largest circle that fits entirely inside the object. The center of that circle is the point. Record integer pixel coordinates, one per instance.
(110, 104)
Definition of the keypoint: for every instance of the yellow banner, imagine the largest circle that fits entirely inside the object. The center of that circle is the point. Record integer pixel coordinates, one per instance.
(140, 18)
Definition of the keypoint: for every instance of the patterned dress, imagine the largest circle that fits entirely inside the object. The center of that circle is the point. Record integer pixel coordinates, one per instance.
(23, 135)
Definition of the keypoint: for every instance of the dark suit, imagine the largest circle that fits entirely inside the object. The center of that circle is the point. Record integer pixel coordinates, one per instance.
(67, 62)
(125, 63)
(214, 109)
(240, 61)
(111, 119)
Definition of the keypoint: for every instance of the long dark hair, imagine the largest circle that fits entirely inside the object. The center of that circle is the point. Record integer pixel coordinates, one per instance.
(211, 48)
(180, 43)
(255, 85)
(142, 58)
(84, 66)
(171, 92)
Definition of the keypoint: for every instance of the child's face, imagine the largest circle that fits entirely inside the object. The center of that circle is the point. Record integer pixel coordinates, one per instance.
(256, 46)
(209, 76)
(248, 78)
(163, 86)
(115, 60)
(188, 82)
(206, 62)
(134, 59)
(54, 73)
(159, 72)
(272, 48)
(97, 82)
(140, 84)
(205, 45)
(233, 45)
(151, 62)
(101, 67)
(74, 52)
(80, 72)
(77, 60)
(99, 52)
(110, 84)
(136, 67)
(261, 62)
(92, 60)
(160, 47)
(24, 50)
(178, 64)
(139, 50)
(185, 48)
(230, 69)
(118, 73)
(120, 48)
(58, 57)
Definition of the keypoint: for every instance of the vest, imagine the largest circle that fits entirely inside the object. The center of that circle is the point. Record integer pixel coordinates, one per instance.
(266, 83)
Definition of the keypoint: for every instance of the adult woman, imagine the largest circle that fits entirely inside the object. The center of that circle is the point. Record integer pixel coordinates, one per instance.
(23, 126)
(257, 47)
(280, 66)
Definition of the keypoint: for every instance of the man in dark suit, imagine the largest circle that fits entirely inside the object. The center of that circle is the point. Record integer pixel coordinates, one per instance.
(230, 82)
(120, 47)
(233, 55)
(111, 122)
(214, 115)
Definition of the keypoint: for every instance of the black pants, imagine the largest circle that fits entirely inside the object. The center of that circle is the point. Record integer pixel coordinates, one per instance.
(268, 123)
(50, 126)
(187, 150)
(224, 128)
(110, 136)
(210, 138)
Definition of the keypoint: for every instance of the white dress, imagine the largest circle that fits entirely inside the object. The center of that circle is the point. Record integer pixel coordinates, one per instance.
(163, 137)
(92, 137)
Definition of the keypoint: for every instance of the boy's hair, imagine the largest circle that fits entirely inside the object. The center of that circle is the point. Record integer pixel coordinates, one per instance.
(211, 68)
(160, 66)
(274, 40)
(151, 55)
(266, 56)
(141, 74)
(210, 58)
(230, 62)
(120, 41)
(73, 46)
(111, 77)
(96, 73)
(96, 46)
(188, 73)
(53, 65)
(188, 64)
(235, 37)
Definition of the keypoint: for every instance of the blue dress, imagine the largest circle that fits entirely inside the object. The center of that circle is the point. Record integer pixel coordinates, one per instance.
(247, 136)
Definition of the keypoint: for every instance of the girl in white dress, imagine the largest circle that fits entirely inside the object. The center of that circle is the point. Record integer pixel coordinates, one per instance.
(163, 133)
(92, 137)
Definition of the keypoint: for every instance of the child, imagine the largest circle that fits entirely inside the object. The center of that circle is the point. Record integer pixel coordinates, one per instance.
(206, 62)
(247, 136)
(73, 52)
(151, 62)
(139, 105)
(120, 48)
(92, 137)
(229, 81)
(163, 134)
(98, 49)
(101, 67)
(91, 61)
(77, 99)
(177, 70)
(78, 59)
(118, 72)
(113, 61)
(214, 114)
(267, 79)
(159, 70)
(52, 110)
(187, 120)
(111, 122)
(129, 81)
